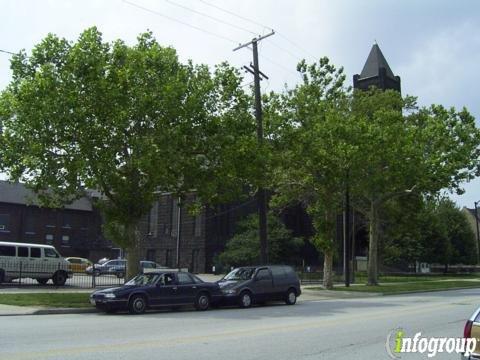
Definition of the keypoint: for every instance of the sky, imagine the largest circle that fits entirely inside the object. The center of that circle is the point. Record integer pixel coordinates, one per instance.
(433, 45)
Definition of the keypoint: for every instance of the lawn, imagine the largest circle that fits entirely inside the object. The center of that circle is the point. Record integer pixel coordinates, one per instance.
(59, 300)
(413, 286)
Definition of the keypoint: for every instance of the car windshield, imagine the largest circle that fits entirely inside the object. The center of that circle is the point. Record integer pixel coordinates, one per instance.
(144, 279)
(240, 274)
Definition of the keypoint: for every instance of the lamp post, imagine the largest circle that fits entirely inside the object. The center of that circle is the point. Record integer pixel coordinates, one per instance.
(478, 235)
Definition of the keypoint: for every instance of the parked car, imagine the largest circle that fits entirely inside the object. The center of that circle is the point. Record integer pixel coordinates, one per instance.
(118, 267)
(472, 330)
(158, 289)
(78, 264)
(106, 267)
(246, 286)
(40, 262)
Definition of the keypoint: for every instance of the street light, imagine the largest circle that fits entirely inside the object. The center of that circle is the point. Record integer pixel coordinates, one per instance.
(478, 235)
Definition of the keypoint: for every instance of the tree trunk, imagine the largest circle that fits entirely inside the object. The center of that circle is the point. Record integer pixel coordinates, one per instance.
(327, 270)
(133, 252)
(372, 270)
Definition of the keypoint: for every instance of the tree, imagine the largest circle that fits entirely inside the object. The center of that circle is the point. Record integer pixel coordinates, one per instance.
(385, 145)
(244, 247)
(403, 149)
(128, 121)
(311, 156)
(448, 238)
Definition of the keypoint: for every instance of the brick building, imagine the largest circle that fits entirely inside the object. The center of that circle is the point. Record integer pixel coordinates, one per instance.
(74, 230)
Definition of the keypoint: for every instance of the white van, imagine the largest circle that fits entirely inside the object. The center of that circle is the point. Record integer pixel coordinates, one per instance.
(40, 262)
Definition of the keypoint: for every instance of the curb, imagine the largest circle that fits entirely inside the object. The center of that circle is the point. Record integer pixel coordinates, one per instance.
(63, 311)
(53, 311)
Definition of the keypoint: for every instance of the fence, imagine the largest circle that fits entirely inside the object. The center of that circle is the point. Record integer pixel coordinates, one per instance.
(51, 272)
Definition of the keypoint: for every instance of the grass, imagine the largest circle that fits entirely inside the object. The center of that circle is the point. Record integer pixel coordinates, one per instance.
(414, 286)
(60, 300)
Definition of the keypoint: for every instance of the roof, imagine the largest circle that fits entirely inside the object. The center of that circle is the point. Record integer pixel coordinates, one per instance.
(374, 62)
(18, 193)
(5, 243)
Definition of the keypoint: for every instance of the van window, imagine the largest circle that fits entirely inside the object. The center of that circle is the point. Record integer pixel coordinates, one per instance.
(22, 251)
(263, 274)
(277, 272)
(50, 253)
(35, 253)
(7, 250)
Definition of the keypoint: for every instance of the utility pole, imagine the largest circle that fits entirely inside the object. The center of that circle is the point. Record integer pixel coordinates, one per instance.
(261, 195)
(478, 235)
(179, 227)
(346, 235)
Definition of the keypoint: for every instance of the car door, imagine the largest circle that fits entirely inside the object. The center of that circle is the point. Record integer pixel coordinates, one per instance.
(49, 261)
(187, 288)
(36, 264)
(23, 256)
(165, 291)
(262, 285)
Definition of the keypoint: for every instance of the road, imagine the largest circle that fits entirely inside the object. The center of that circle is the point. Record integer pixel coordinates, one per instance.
(326, 329)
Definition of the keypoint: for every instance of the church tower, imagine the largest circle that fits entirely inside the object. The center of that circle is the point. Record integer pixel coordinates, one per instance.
(376, 72)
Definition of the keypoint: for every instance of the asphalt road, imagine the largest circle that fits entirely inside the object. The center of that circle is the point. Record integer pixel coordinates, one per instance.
(326, 329)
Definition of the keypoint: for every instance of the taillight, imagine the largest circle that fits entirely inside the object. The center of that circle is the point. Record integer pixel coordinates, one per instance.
(467, 331)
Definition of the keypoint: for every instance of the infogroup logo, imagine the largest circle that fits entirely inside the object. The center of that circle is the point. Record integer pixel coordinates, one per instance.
(397, 343)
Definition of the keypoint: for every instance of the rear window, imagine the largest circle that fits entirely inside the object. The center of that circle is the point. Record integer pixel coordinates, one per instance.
(22, 251)
(7, 250)
(35, 252)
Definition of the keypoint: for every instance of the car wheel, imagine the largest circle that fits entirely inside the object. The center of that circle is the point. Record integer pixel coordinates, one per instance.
(137, 305)
(291, 297)
(245, 300)
(42, 281)
(59, 278)
(120, 275)
(202, 302)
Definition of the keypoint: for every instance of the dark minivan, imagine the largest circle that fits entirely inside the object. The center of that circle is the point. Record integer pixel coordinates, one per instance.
(258, 284)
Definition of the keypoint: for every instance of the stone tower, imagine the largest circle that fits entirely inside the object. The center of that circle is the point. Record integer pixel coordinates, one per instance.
(376, 72)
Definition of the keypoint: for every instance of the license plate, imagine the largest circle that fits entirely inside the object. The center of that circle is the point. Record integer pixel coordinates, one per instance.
(92, 301)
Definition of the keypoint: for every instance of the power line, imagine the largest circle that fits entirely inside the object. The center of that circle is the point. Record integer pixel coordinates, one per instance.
(8, 52)
(258, 24)
(179, 21)
(234, 14)
(211, 17)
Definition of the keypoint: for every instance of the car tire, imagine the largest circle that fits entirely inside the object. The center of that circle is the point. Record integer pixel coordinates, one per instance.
(202, 302)
(59, 278)
(42, 281)
(245, 299)
(137, 305)
(120, 275)
(291, 297)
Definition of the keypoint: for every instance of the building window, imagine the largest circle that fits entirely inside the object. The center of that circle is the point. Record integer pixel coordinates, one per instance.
(67, 220)
(65, 240)
(49, 239)
(197, 226)
(29, 224)
(51, 219)
(4, 222)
